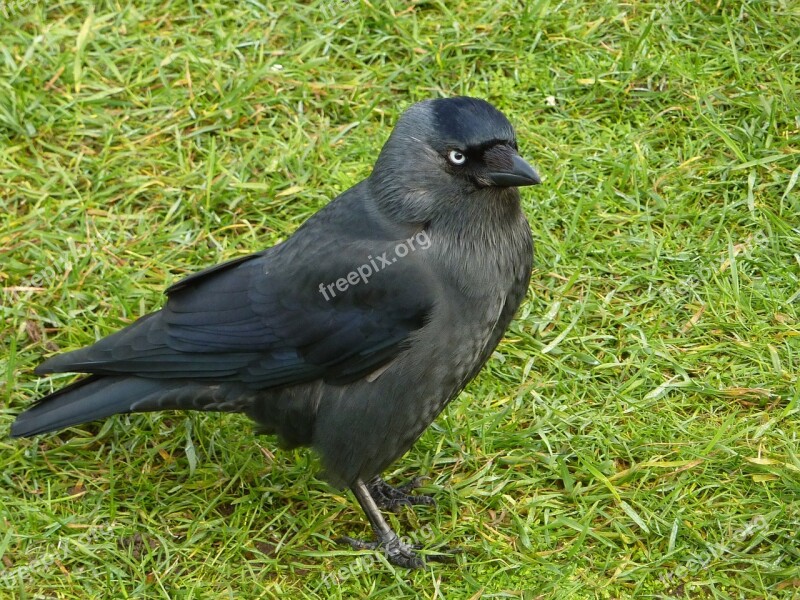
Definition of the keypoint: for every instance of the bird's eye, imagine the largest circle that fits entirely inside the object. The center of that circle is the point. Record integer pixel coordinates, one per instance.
(456, 157)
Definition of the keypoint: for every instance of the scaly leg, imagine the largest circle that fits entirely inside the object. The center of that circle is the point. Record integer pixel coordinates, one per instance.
(398, 552)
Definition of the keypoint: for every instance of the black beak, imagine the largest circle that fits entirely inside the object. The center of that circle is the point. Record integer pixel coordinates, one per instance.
(521, 173)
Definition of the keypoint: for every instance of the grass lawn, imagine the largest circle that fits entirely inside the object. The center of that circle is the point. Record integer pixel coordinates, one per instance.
(637, 433)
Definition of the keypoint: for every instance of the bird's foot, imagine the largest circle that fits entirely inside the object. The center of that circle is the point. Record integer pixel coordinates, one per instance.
(393, 498)
(397, 552)
(401, 554)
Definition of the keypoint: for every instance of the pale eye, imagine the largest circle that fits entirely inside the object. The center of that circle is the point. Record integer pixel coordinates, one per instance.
(457, 158)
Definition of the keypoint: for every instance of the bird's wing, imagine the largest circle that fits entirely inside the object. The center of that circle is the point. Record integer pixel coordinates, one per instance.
(263, 320)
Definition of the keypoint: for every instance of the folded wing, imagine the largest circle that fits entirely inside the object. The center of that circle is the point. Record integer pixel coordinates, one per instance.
(262, 321)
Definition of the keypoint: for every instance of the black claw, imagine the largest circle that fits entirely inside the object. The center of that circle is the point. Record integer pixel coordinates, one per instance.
(393, 498)
(397, 552)
(444, 555)
(358, 544)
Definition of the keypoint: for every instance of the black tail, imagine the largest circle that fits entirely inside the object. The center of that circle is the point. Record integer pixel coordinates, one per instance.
(89, 399)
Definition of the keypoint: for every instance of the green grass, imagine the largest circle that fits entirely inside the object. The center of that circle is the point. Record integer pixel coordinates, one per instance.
(635, 435)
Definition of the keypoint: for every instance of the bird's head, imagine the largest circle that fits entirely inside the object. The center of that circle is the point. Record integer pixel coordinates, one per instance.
(446, 151)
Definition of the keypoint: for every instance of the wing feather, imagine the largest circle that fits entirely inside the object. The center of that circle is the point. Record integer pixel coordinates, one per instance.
(261, 320)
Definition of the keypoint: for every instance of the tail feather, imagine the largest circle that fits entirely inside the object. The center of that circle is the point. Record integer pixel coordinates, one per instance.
(88, 399)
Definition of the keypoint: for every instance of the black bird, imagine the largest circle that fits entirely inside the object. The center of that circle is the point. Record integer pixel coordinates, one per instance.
(352, 335)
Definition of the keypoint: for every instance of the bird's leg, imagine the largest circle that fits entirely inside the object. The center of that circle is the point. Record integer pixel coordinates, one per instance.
(398, 552)
(392, 498)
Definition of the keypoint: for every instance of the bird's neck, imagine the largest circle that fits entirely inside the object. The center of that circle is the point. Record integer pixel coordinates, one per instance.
(485, 246)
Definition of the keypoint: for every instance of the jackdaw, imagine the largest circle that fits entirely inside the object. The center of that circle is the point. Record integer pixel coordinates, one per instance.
(352, 335)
